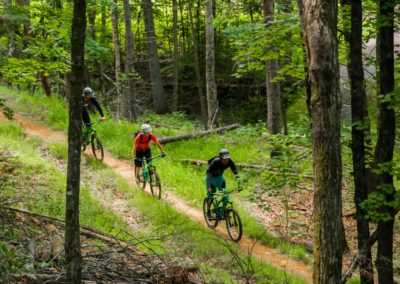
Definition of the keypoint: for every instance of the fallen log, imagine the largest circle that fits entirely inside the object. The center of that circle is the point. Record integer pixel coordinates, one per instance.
(169, 139)
(201, 162)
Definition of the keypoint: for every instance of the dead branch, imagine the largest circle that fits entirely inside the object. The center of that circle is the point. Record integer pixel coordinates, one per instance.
(361, 254)
(169, 139)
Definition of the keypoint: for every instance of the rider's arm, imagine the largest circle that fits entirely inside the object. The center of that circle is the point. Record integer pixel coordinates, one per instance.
(98, 107)
(135, 142)
(233, 167)
(159, 146)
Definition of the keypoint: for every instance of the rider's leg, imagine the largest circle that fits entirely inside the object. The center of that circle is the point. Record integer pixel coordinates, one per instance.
(138, 163)
(86, 122)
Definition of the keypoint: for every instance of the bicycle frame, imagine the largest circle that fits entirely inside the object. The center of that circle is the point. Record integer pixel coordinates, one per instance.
(90, 130)
(145, 167)
(223, 202)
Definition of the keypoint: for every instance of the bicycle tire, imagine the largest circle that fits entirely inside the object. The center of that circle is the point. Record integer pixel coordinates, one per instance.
(155, 184)
(140, 182)
(211, 217)
(233, 224)
(97, 147)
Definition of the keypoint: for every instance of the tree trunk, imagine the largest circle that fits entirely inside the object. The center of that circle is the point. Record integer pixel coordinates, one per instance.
(322, 54)
(102, 41)
(73, 255)
(274, 108)
(117, 57)
(11, 44)
(129, 62)
(159, 100)
(386, 137)
(211, 87)
(92, 18)
(360, 126)
(27, 21)
(174, 106)
(199, 83)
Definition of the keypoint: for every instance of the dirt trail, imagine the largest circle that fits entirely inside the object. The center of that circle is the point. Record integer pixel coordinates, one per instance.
(125, 169)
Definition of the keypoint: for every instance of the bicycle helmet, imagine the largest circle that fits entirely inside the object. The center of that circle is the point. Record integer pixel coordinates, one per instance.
(146, 128)
(224, 154)
(88, 92)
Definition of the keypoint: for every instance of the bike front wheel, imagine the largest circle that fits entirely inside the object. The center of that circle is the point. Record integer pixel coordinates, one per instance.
(233, 224)
(97, 148)
(140, 180)
(210, 212)
(155, 184)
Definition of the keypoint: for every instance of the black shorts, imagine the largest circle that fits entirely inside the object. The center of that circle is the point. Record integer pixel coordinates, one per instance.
(140, 155)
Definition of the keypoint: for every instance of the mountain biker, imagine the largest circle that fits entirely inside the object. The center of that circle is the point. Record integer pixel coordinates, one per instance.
(215, 173)
(88, 98)
(141, 146)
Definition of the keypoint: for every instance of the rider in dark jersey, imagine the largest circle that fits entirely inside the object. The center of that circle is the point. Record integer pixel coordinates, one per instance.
(88, 98)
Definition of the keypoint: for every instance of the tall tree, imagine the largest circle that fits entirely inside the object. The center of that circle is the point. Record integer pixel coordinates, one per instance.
(211, 87)
(72, 233)
(386, 137)
(323, 72)
(117, 57)
(274, 106)
(159, 99)
(360, 127)
(11, 44)
(199, 83)
(129, 62)
(174, 105)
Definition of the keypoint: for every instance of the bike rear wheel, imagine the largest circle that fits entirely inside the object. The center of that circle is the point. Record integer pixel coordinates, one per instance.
(97, 147)
(210, 213)
(140, 180)
(233, 224)
(155, 184)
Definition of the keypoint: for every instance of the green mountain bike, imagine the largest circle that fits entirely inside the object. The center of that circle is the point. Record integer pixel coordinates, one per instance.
(148, 175)
(89, 136)
(219, 208)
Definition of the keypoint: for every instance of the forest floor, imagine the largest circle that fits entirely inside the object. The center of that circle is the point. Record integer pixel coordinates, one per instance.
(295, 226)
(125, 168)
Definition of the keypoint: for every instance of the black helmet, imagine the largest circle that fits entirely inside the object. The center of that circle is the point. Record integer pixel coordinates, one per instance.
(224, 154)
(88, 92)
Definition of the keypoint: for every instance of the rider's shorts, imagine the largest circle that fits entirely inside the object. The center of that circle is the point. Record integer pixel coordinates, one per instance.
(217, 182)
(140, 155)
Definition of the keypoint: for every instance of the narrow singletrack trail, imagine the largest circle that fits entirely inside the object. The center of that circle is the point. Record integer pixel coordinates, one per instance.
(125, 169)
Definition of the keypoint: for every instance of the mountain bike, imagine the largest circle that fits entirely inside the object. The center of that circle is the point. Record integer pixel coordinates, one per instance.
(89, 136)
(148, 174)
(219, 208)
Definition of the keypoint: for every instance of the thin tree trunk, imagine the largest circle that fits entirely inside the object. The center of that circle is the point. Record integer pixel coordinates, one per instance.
(274, 107)
(174, 106)
(73, 255)
(159, 99)
(386, 137)
(92, 18)
(322, 54)
(11, 44)
(129, 62)
(199, 83)
(102, 41)
(117, 57)
(211, 87)
(27, 21)
(360, 126)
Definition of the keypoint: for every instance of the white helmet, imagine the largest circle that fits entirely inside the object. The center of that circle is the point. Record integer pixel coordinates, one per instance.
(146, 128)
(88, 92)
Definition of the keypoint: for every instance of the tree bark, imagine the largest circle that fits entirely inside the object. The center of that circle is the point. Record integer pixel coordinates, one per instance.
(169, 139)
(211, 87)
(129, 62)
(360, 126)
(274, 105)
(199, 83)
(159, 100)
(386, 137)
(11, 44)
(72, 233)
(117, 57)
(174, 105)
(323, 68)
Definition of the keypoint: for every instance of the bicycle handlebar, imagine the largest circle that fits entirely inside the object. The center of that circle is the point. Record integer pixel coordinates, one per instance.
(92, 123)
(227, 192)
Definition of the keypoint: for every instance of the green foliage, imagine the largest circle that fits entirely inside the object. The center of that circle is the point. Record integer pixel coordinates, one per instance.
(9, 262)
(8, 112)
